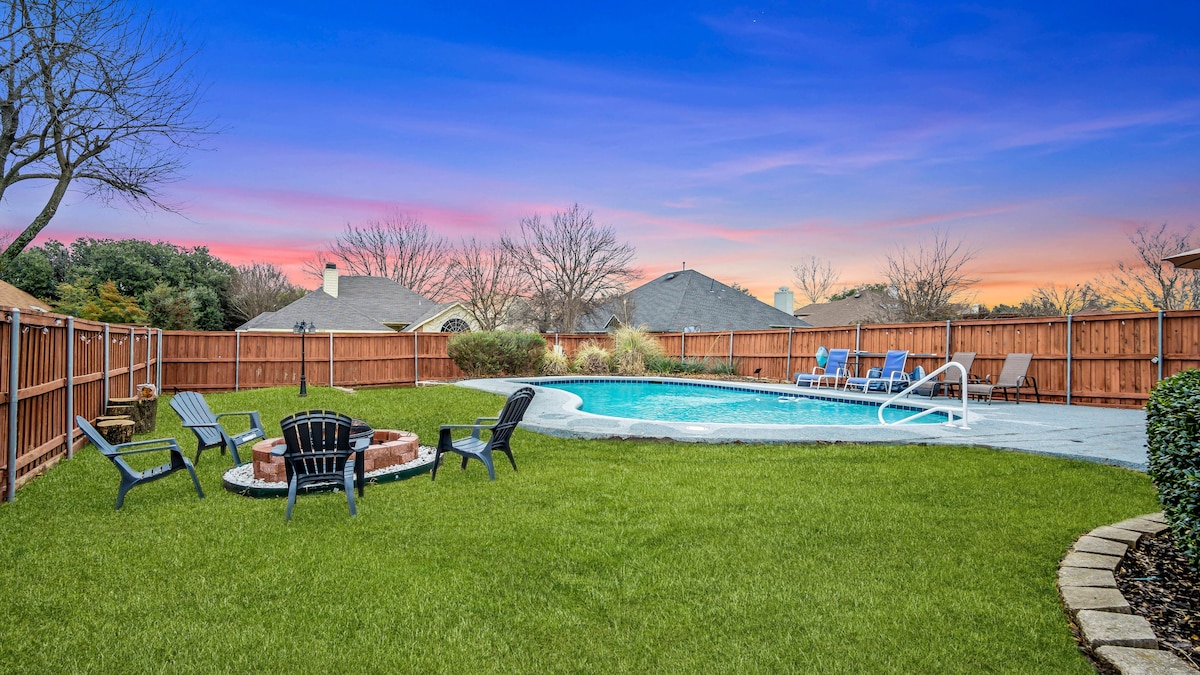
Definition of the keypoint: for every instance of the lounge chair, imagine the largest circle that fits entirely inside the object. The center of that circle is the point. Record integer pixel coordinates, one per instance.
(1012, 376)
(889, 378)
(835, 367)
(317, 451)
(950, 379)
(130, 477)
(499, 434)
(195, 414)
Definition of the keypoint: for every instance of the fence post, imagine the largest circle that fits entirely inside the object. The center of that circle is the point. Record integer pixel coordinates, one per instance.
(70, 387)
(237, 359)
(416, 360)
(14, 383)
(331, 358)
(131, 336)
(158, 365)
(1070, 342)
(682, 345)
(857, 338)
(787, 368)
(1160, 345)
(730, 349)
(947, 340)
(106, 364)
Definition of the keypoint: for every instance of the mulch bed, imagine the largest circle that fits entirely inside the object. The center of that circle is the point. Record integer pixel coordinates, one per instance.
(1162, 586)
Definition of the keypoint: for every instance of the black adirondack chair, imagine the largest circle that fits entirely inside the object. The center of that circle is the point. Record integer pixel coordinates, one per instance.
(498, 437)
(193, 410)
(318, 452)
(131, 477)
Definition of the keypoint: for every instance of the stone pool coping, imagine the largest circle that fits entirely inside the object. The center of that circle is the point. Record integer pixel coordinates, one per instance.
(1107, 625)
(1105, 435)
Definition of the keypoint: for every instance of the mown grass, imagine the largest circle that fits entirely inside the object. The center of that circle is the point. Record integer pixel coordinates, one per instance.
(598, 556)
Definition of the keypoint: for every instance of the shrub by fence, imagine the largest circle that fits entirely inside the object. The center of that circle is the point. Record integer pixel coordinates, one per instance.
(1173, 438)
(63, 367)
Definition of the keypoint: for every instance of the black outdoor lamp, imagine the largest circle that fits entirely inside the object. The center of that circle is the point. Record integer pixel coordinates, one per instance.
(303, 328)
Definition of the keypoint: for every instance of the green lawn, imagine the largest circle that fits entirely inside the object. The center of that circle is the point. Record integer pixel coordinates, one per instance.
(598, 556)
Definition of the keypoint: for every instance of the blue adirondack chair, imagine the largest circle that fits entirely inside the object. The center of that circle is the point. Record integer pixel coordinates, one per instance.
(499, 434)
(889, 378)
(317, 449)
(193, 410)
(131, 477)
(834, 368)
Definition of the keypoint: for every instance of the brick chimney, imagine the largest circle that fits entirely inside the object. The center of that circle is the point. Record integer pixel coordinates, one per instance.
(329, 282)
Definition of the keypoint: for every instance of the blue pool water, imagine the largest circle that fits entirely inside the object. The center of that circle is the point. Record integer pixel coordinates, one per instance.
(687, 402)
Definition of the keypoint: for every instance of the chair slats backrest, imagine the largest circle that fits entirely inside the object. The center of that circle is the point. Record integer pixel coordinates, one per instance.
(318, 443)
(107, 449)
(894, 362)
(514, 410)
(837, 360)
(193, 409)
(1015, 368)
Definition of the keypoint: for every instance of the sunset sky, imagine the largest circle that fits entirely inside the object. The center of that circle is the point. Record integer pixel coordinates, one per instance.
(738, 138)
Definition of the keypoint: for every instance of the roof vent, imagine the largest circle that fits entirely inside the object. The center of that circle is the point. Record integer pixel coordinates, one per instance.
(669, 277)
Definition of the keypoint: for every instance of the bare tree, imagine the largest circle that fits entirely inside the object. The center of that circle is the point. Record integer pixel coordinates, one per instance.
(259, 287)
(399, 247)
(487, 281)
(1149, 283)
(571, 266)
(815, 277)
(927, 283)
(91, 94)
(1050, 300)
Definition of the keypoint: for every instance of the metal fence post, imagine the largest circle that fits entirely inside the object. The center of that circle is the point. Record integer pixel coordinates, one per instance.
(159, 366)
(149, 331)
(947, 340)
(106, 364)
(731, 349)
(787, 368)
(14, 384)
(682, 345)
(131, 336)
(331, 358)
(237, 359)
(416, 360)
(1070, 341)
(70, 387)
(1160, 344)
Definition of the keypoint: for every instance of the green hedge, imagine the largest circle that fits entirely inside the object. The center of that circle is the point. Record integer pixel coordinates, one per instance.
(492, 353)
(1173, 437)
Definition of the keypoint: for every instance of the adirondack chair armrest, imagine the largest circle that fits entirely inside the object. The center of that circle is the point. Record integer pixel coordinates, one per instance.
(445, 432)
(480, 420)
(360, 444)
(279, 450)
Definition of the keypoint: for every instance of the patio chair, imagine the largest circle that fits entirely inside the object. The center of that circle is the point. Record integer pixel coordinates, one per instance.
(889, 378)
(949, 380)
(317, 452)
(131, 477)
(834, 368)
(195, 414)
(499, 434)
(1012, 376)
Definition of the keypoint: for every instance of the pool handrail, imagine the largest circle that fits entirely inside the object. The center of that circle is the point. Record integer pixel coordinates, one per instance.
(950, 410)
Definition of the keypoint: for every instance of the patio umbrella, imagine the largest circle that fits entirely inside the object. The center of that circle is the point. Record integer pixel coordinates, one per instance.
(1186, 260)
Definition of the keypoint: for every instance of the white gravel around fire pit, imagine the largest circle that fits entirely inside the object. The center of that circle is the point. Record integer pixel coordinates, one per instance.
(243, 476)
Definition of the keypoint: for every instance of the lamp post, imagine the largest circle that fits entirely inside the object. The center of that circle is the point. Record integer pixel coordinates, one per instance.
(303, 328)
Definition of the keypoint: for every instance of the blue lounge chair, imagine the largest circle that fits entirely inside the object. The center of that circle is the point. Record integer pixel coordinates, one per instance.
(834, 368)
(195, 414)
(130, 477)
(889, 378)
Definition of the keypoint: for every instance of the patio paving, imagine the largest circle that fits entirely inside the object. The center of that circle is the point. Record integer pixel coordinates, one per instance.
(1105, 435)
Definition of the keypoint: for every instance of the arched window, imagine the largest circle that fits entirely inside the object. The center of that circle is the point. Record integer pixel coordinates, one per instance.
(456, 325)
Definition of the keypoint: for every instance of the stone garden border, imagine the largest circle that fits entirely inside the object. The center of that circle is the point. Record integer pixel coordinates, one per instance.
(1107, 625)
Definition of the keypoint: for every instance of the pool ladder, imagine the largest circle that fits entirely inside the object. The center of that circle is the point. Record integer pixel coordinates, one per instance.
(950, 410)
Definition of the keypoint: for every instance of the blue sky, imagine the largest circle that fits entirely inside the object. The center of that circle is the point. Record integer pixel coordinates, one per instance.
(738, 138)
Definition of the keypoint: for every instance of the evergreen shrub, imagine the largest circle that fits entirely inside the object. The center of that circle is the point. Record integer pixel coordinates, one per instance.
(1173, 438)
(492, 353)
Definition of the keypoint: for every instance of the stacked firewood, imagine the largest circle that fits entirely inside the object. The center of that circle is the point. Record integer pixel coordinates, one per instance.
(124, 417)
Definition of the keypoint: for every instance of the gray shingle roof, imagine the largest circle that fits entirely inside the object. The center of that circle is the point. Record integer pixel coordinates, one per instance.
(363, 303)
(689, 300)
(867, 307)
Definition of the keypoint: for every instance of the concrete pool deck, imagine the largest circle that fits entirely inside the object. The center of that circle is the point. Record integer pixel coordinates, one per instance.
(1105, 435)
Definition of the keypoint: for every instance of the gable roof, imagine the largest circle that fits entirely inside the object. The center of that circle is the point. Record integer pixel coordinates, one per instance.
(688, 300)
(11, 296)
(845, 312)
(363, 304)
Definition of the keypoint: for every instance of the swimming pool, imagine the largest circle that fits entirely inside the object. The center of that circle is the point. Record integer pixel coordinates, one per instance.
(672, 401)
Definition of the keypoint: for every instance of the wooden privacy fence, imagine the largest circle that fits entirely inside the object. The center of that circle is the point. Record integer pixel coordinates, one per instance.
(57, 367)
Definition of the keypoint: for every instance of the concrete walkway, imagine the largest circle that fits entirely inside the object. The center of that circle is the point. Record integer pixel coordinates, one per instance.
(1105, 435)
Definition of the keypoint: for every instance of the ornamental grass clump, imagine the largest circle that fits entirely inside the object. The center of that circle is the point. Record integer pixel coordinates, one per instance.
(592, 359)
(1173, 460)
(555, 363)
(634, 349)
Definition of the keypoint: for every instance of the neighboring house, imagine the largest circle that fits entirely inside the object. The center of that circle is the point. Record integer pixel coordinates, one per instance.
(364, 305)
(688, 301)
(863, 307)
(11, 296)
